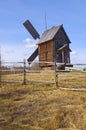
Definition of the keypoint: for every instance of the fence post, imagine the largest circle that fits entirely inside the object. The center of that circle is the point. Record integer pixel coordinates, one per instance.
(56, 75)
(24, 73)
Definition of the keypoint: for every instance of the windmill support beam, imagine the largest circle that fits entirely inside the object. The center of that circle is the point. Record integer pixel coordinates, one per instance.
(62, 56)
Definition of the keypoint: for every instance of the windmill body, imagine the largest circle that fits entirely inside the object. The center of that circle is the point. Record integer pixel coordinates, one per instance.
(53, 45)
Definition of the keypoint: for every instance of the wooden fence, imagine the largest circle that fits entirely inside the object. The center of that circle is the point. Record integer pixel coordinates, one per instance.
(22, 73)
(72, 77)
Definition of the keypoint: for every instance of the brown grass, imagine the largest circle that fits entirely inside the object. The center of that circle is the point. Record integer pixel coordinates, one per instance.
(41, 107)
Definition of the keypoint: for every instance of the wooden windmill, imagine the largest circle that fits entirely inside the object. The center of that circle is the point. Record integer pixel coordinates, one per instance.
(53, 45)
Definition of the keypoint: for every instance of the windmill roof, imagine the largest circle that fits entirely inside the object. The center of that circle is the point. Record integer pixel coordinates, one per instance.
(49, 34)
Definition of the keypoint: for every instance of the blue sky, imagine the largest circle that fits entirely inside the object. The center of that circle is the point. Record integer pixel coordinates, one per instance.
(16, 43)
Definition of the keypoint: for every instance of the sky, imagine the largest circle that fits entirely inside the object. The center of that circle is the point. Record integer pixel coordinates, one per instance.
(17, 44)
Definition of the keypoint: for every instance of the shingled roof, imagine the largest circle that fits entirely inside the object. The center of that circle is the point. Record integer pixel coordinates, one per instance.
(49, 34)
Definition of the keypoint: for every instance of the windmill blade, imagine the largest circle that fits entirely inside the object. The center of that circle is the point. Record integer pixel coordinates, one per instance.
(33, 56)
(27, 24)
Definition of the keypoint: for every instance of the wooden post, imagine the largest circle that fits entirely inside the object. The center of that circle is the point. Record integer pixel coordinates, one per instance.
(56, 75)
(24, 73)
(55, 67)
(62, 56)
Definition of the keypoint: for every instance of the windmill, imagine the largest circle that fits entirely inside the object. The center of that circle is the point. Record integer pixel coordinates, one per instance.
(53, 45)
(27, 24)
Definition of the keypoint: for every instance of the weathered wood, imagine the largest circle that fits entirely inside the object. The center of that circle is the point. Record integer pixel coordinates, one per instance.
(56, 50)
(46, 53)
(33, 56)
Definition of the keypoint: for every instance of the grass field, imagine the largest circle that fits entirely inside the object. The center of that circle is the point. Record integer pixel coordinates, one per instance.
(37, 106)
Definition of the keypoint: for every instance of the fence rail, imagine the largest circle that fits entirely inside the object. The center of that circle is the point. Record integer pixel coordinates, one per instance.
(75, 78)
(20, 72)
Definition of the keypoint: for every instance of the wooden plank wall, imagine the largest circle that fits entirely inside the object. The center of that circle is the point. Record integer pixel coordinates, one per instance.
(46, 52)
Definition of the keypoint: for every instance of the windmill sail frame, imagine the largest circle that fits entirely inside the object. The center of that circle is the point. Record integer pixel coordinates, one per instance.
(27, 24)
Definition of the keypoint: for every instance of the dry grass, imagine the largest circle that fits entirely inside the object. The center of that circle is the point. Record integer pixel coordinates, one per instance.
(72, 79)
(64, 79)
(41, 107)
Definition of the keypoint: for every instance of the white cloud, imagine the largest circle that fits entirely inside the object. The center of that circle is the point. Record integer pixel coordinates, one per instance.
(74, 53)
(10, 52)
(16, 51)
(78, 57)
(30, 43)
